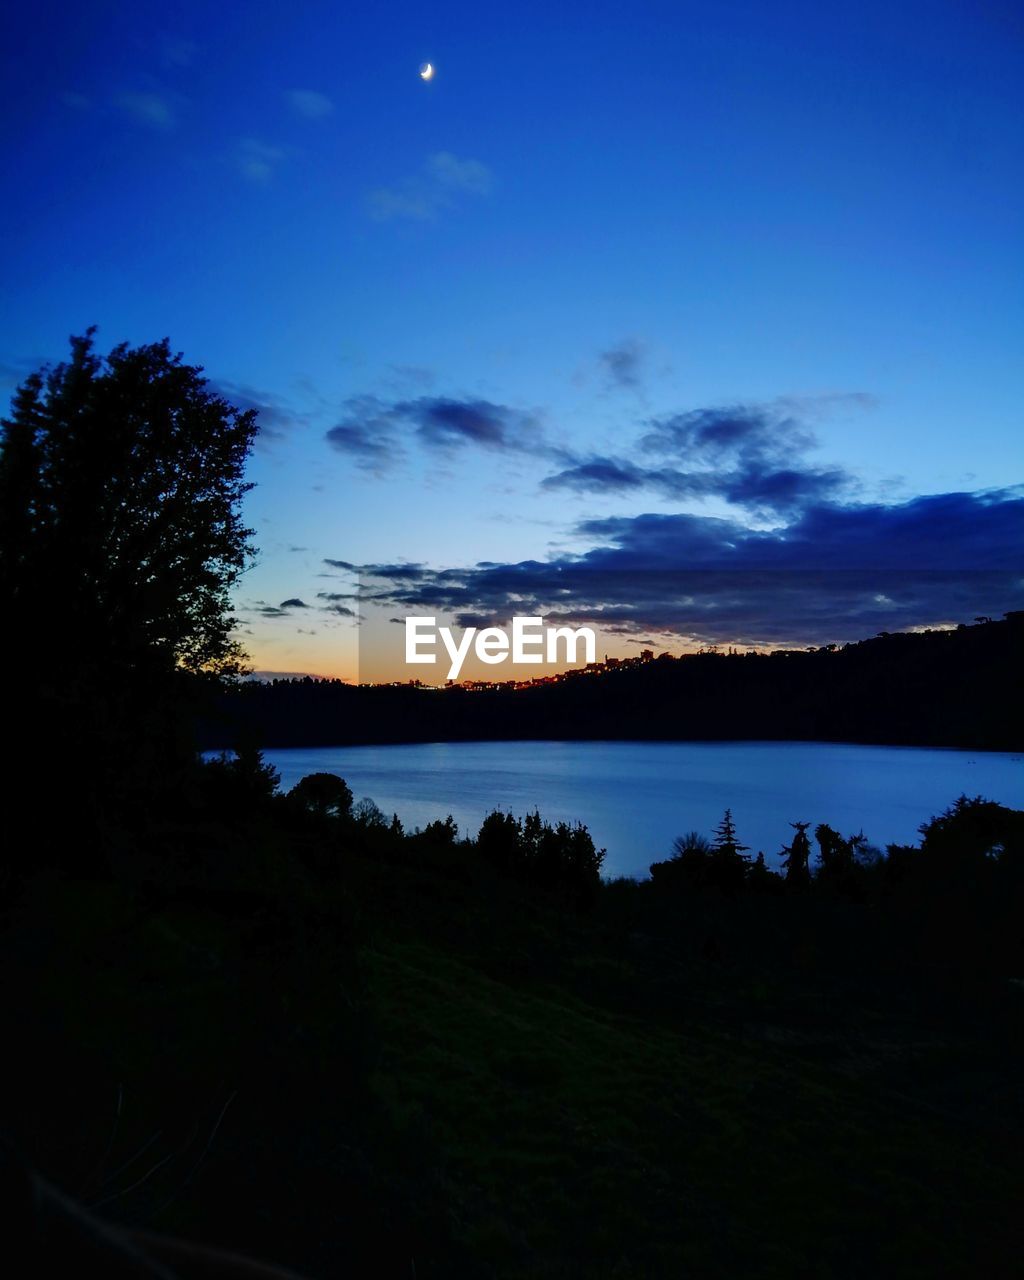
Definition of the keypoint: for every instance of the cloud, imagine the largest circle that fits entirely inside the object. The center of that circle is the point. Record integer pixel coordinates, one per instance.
(459, 175)
(369, 433)
(309, 103)
(833, 573)
(961, 532)
(275, 416)
(293, 603)
(376, 432)
(753, 434)
(826, 404)
(444, 421)
(441, 184)
(750, 455)
(258, 161)
(333, 601)
(152, 109)
(623, 363)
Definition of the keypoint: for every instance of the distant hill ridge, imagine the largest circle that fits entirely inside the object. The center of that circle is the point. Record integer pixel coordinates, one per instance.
(949, 688)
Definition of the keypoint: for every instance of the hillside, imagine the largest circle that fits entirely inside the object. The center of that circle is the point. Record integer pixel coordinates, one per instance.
(955, 688)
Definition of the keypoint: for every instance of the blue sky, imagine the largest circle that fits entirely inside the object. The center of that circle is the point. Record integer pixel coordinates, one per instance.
(511, 292)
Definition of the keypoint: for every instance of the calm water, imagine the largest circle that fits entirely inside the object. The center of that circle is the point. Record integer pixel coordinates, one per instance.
(636, 796)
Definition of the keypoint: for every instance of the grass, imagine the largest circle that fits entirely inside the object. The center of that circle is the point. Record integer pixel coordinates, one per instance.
(395, 1068)
(571, 1141)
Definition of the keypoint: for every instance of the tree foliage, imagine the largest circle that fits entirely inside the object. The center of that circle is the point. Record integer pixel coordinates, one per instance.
(322, 795)
(121, 536)
(559, 857)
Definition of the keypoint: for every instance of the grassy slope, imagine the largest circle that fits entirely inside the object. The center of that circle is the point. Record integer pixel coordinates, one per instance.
(460, 1091)
(575, 1142)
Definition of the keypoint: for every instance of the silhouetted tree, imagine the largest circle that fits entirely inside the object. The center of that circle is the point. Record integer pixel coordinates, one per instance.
(367, 814)
(561, 857)
(120, 484)
(441, 833)
(690, 865)
(971, 836)
(728, 861)
(797, 856)
(690, 845)
(121, 537)
(761, 878)
(323, 795)
(835, 855)
(500, 839)
(241, 783)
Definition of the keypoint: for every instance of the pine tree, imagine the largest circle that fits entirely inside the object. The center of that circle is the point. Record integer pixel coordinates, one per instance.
(729, 863)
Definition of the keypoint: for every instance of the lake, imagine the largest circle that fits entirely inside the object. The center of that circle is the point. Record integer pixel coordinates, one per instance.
(637, 796)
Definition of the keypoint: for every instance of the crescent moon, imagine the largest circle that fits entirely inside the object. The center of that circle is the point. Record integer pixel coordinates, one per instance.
(427, 71)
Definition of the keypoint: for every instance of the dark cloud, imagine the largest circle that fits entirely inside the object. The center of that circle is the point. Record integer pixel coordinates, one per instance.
(376, 432)
(443, 421)
(623, 363)
(750, 434)
(749, 455)
(786, 490)
(369, 433)
(294, 603)
(617, 475)
(599, 474)
(372, 451)
(275, 418)
(833, 573)
(964, 532)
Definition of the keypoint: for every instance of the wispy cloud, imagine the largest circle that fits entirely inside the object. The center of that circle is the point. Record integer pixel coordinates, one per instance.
(309, 104)
(376, 432)
(152, 109)
(442, 183)
(623, 363)
(275, 417)
(257, 161)
(753, 456)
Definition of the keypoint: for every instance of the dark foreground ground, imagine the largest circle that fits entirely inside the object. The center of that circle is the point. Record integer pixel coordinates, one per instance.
(327, 1046)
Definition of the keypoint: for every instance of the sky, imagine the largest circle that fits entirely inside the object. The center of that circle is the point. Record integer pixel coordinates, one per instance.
(701, 322)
